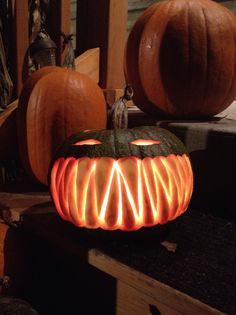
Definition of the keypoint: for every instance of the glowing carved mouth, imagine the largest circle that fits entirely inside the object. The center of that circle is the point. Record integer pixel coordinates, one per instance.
(125, 194)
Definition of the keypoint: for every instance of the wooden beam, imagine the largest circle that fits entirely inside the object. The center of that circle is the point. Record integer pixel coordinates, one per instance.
(58, 21)
(103, 24)
(21, 29)
(8, 136)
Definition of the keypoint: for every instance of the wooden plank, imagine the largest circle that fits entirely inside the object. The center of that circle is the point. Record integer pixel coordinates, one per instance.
(140, 4)
(8, 136)
(64, 25)
(49, 229)
(14, 205)
(88, 63)
(131, 301)
(156, 290)
(39, 217)
(103, 24)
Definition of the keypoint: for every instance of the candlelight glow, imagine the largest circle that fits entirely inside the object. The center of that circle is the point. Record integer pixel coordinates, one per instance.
(145, 142)
(125, 194)
(88, 142)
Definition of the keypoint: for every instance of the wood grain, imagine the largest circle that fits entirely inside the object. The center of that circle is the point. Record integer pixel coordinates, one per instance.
(88, 63)
(8, 138)
(143, 293)
(104, 28)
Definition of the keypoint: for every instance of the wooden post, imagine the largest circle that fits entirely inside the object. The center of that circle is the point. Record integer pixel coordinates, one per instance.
(21, 40)
(103, 24)
(59, 21)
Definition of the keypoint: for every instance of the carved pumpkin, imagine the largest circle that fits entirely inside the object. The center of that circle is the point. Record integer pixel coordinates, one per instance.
(121, 179)
(54, 104)
(180, 58)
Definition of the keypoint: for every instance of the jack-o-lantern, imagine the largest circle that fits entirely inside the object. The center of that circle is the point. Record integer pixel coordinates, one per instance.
(121, 179)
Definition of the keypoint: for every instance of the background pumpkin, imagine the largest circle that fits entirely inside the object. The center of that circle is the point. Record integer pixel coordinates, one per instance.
(180, 58)
(121, 179)
(53, 105)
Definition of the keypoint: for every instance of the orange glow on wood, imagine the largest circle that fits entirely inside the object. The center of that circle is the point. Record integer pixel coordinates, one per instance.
(125, 194)
(88, 142)
(145, 142)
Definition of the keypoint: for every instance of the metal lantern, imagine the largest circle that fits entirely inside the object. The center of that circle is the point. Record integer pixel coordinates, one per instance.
(43, 51)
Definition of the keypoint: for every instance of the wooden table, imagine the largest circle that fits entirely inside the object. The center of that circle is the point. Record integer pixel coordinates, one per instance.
(134, 274)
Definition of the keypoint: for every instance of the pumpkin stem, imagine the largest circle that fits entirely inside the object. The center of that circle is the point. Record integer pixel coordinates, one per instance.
(118, 114)
(69, 60)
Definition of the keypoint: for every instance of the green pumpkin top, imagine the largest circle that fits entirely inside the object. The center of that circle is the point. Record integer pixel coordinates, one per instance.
(118, 143)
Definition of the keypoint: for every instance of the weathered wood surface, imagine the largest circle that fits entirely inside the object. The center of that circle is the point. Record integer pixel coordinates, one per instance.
(38, 217)
(88, 63)
(8, 137)
(106, 29)
(14, 205)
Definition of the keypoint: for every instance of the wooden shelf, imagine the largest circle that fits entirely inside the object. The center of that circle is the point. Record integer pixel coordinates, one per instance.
(148, 277)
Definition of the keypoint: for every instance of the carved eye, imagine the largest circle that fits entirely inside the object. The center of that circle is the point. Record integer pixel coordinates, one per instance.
(88, 142)
(145, 142)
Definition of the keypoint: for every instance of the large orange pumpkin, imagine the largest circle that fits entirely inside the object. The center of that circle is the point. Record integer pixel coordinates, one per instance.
(54, 104)
(180, 58)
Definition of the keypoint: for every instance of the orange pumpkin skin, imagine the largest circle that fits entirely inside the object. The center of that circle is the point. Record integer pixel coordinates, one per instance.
(180, 58)
(22, 109)
(33, 79)
(60, 103)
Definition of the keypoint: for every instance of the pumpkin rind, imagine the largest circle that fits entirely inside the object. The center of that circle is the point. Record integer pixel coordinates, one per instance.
(117, 143)
(117, 185)
(60, 104)
(22, 109)
(181, 60)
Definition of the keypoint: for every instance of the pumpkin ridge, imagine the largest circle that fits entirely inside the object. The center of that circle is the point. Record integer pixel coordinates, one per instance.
(66, 82)
(36, 121)
(167, 102)
(139, 148)
(203, 57)
(212, 98)
(164, 143)
(221, 65)
(191, 61)
(44, 133)
(143, 71)
(207, 59)
(118, 147)
(233, 79)
(21, 116)
(131, 67)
